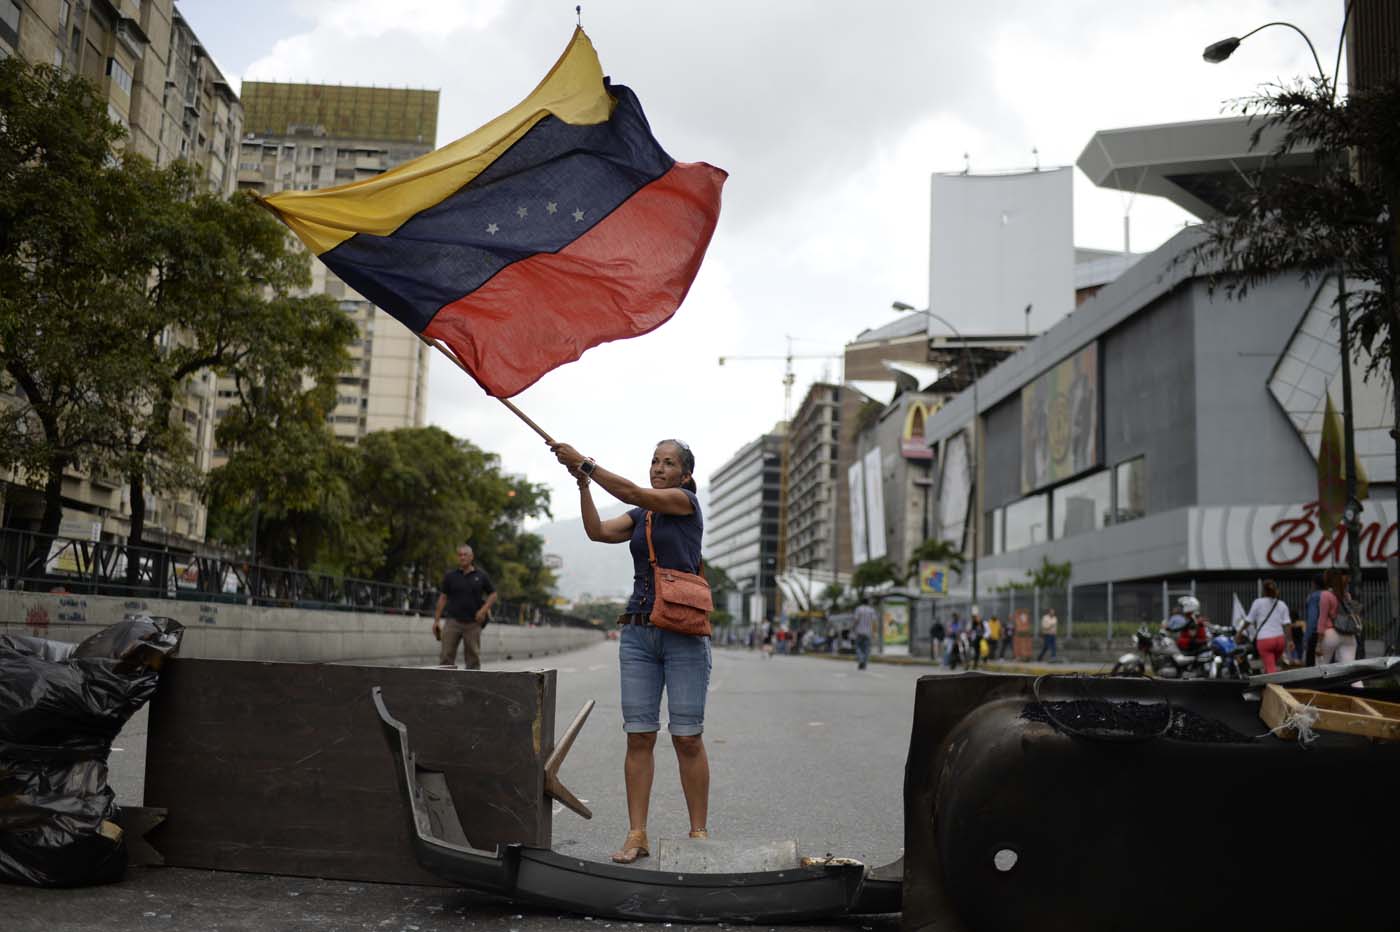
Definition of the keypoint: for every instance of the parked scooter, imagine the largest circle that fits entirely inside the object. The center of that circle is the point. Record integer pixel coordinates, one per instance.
(1229, 659)
(1156, 654)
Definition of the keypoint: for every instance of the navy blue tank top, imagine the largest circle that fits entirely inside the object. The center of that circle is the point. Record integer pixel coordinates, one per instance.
(677, 542)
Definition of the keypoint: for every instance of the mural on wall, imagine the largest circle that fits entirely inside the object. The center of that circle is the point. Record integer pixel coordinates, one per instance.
(1060, 421)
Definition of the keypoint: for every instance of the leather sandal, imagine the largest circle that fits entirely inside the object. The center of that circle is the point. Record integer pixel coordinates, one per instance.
(633, 847)
(699, 833)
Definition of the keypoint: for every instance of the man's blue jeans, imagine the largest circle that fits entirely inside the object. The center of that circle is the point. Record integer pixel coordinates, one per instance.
(862, 650)
(1047, 644)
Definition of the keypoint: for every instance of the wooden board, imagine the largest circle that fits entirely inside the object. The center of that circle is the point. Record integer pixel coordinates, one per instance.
(1351, 715)
(282, 767)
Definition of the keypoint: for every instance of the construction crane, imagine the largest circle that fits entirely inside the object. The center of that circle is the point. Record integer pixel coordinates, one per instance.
(789, 379)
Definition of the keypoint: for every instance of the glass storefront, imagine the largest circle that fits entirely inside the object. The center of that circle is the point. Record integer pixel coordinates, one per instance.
(1083, 505)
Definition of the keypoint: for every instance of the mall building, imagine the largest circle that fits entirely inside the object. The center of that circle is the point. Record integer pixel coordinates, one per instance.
(1163, 431)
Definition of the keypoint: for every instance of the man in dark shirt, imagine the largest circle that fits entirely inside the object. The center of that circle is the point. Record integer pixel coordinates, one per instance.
(466, 598)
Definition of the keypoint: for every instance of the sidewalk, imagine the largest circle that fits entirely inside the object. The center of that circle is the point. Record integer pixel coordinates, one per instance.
(1029, 667)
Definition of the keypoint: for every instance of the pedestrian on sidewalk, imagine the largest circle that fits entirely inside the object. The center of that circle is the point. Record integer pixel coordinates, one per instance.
(1006, 637)
(994, 635)
(955, 633)
(651, 659)
(1337, 624)
(465, 597)
(864, 630)
(936, 635)
(976, 637)
(1049, 627)
(1311, 609)
(1267, 623)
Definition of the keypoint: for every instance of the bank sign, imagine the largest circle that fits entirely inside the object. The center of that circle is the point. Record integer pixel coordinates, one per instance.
(1285, 537)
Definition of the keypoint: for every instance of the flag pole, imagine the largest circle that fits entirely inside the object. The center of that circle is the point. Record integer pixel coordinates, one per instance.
(505, 401)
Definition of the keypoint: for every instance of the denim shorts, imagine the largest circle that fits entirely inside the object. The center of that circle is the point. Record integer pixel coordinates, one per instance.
(651, 659)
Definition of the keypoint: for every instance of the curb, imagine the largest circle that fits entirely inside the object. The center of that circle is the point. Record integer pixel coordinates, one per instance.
(1031, 669)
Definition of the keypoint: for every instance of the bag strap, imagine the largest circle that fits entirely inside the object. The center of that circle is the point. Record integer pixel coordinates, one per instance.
(1260, 626)
(651, 550)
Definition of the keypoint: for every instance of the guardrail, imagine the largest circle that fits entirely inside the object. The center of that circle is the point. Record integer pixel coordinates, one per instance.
(51, 563)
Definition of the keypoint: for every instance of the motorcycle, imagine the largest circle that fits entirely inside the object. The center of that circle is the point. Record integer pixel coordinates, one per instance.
(1229, 659)
(1157, 654)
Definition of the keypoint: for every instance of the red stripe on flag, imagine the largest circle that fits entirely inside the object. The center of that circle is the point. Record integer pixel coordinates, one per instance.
(623, 278)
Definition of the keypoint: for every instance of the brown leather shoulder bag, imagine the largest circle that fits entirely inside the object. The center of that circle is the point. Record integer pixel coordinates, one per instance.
(683, 602)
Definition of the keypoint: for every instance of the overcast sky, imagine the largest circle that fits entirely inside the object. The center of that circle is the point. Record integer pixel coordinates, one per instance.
(829, 117)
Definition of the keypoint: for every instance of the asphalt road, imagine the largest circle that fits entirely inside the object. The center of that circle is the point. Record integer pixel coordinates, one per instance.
(801, 748)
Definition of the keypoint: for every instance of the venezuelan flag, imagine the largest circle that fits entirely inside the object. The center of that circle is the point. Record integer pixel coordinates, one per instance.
(557, 226)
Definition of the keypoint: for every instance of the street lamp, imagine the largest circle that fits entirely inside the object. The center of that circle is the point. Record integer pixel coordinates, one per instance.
(972, 458)
(1215, 53)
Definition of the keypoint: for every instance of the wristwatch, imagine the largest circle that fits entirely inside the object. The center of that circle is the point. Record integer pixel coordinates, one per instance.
(587, 466)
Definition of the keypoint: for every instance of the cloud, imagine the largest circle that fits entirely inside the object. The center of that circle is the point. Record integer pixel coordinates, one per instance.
(830, 118)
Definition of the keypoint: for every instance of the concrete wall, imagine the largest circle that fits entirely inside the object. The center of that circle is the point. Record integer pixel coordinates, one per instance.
(218, 631)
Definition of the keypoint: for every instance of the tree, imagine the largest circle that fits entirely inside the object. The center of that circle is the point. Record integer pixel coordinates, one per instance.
(222, 292)
(65, 292)
(875, 573)
(286, 484)
(832, 596)
(1046, 576)
(935, 551)
(1343, 213)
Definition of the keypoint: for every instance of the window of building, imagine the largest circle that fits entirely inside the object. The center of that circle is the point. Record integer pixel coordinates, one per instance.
(1130, 485)
(9, 23)
(119, 75)
(77, 42)
(1027, 522)
(115, 115)
(1083, 505)
(64, 10)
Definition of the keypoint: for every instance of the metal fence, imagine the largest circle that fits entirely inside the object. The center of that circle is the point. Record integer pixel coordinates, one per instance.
(43, 563)
(1106, 611)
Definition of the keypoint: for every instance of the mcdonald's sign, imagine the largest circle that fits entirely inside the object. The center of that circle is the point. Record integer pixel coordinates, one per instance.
(912, 443)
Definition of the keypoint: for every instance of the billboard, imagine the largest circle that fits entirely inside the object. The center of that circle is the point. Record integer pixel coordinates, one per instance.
(933, 578)
(855, 485)
(875, 504)
(998, 243)
(1060, 421)
(954, 490)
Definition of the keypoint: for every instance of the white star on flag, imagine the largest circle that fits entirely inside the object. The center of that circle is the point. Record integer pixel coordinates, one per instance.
(492, 228)
(521, 212)
(552, 207)
(578, 215)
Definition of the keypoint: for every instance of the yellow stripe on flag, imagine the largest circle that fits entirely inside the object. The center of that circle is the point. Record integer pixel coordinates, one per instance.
(573, 91)
(1331, 473)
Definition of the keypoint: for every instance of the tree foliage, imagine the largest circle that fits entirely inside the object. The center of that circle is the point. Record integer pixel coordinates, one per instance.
(66, 291)
(873, 574)
(936, 551)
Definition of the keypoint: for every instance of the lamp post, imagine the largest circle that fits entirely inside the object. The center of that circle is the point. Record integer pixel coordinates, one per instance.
(973, 452)
(1215, 53)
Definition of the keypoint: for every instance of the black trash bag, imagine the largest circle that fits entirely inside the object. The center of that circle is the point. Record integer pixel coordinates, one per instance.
(60, 708)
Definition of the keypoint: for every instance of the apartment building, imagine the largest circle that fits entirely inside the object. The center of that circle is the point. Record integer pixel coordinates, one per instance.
(301, 137)
(741, 525)
(161, 84)
(813, 521)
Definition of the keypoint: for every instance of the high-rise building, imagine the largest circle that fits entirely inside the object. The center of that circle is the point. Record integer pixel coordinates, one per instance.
(164, 88)
(741, 526)
(811, 513)
(301, 137)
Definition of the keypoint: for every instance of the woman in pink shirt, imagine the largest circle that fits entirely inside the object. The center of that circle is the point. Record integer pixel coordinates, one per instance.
(1332, 645)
